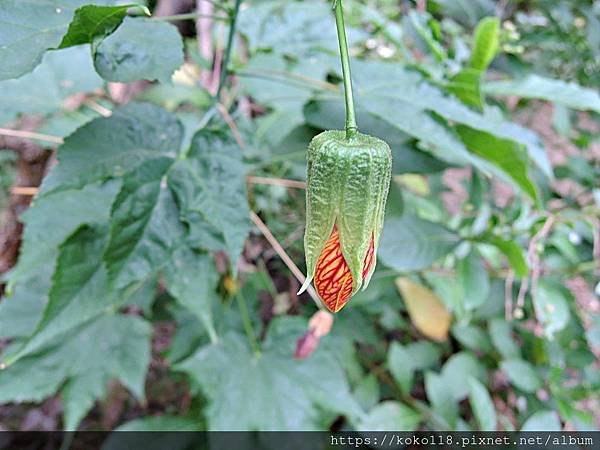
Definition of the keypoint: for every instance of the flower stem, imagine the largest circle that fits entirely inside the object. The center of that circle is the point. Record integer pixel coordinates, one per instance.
(351, 127)
(225, 67)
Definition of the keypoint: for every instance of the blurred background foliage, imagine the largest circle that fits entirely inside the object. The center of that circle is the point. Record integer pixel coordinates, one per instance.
(484, 312)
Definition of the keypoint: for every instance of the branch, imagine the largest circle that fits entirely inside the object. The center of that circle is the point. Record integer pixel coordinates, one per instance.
(284, 256)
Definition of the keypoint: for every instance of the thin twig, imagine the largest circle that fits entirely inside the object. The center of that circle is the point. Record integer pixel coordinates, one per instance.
(24, 190)
(284, 256)
(31, 190)
(95, 106)
(231, 124)
(508, 288)
(277, 182)
(534, 261)
(31, 135)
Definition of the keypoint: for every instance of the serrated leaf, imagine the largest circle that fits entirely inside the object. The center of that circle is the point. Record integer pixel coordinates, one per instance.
(409, 243)
(291, 28)
(140, 49)
(92, 22)
(482, 405)
(61, 74)
(31, 27)
(192, 278)
(390, 416)
(426, 310)
(53, 217)
(557, 91)
(144, 225)
(79, 291)
(210, 189)
(21, 311)
(279, 393)
(506, 154)
(485, 46)
(521, 374)
(84, 359)
(110, 147)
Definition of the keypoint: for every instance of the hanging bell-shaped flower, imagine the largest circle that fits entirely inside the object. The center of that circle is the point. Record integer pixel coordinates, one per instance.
(348, 183)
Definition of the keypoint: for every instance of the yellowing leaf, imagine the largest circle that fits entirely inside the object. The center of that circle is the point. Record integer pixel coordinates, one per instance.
(426, 310)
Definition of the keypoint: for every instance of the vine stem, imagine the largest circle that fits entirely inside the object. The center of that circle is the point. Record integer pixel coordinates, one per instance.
(351, 127)
(225, 67)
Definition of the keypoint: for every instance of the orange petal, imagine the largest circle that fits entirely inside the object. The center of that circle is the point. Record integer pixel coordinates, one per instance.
(333, 279)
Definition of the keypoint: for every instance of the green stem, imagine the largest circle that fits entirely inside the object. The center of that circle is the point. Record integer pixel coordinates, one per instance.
(247, 322)
(225, 67)
(351, 127)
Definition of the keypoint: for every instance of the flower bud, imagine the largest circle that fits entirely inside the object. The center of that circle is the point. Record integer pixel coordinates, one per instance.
(348, 183)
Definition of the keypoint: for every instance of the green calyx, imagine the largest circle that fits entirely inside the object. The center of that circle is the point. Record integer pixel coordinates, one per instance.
(348, 183)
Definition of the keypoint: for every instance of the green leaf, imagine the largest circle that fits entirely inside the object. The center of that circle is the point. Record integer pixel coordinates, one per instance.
(466, 85)
(474, 280)
(441, 398)
(82, 361)
(390, 416)
(164, 423)
(21, 311)
(423, 354)
(192, 278)
(29, 28)
(92, 22)
(542, 421)
(404, 98)
(110, 147)
(144, 226)
(61, 74)
(506, 154)
(278, 392)
(472, 337)
(485, 47)
(331, 114)
(534, 86)
(501, 334)
(210, 188)
(367, 392)
(552, 307)
(53, 217)
(140, 49)
(482, 405)
(514, 254)
(458, 368)
(401, 366)
(409, 243)
(291, 28)
(521, 374)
